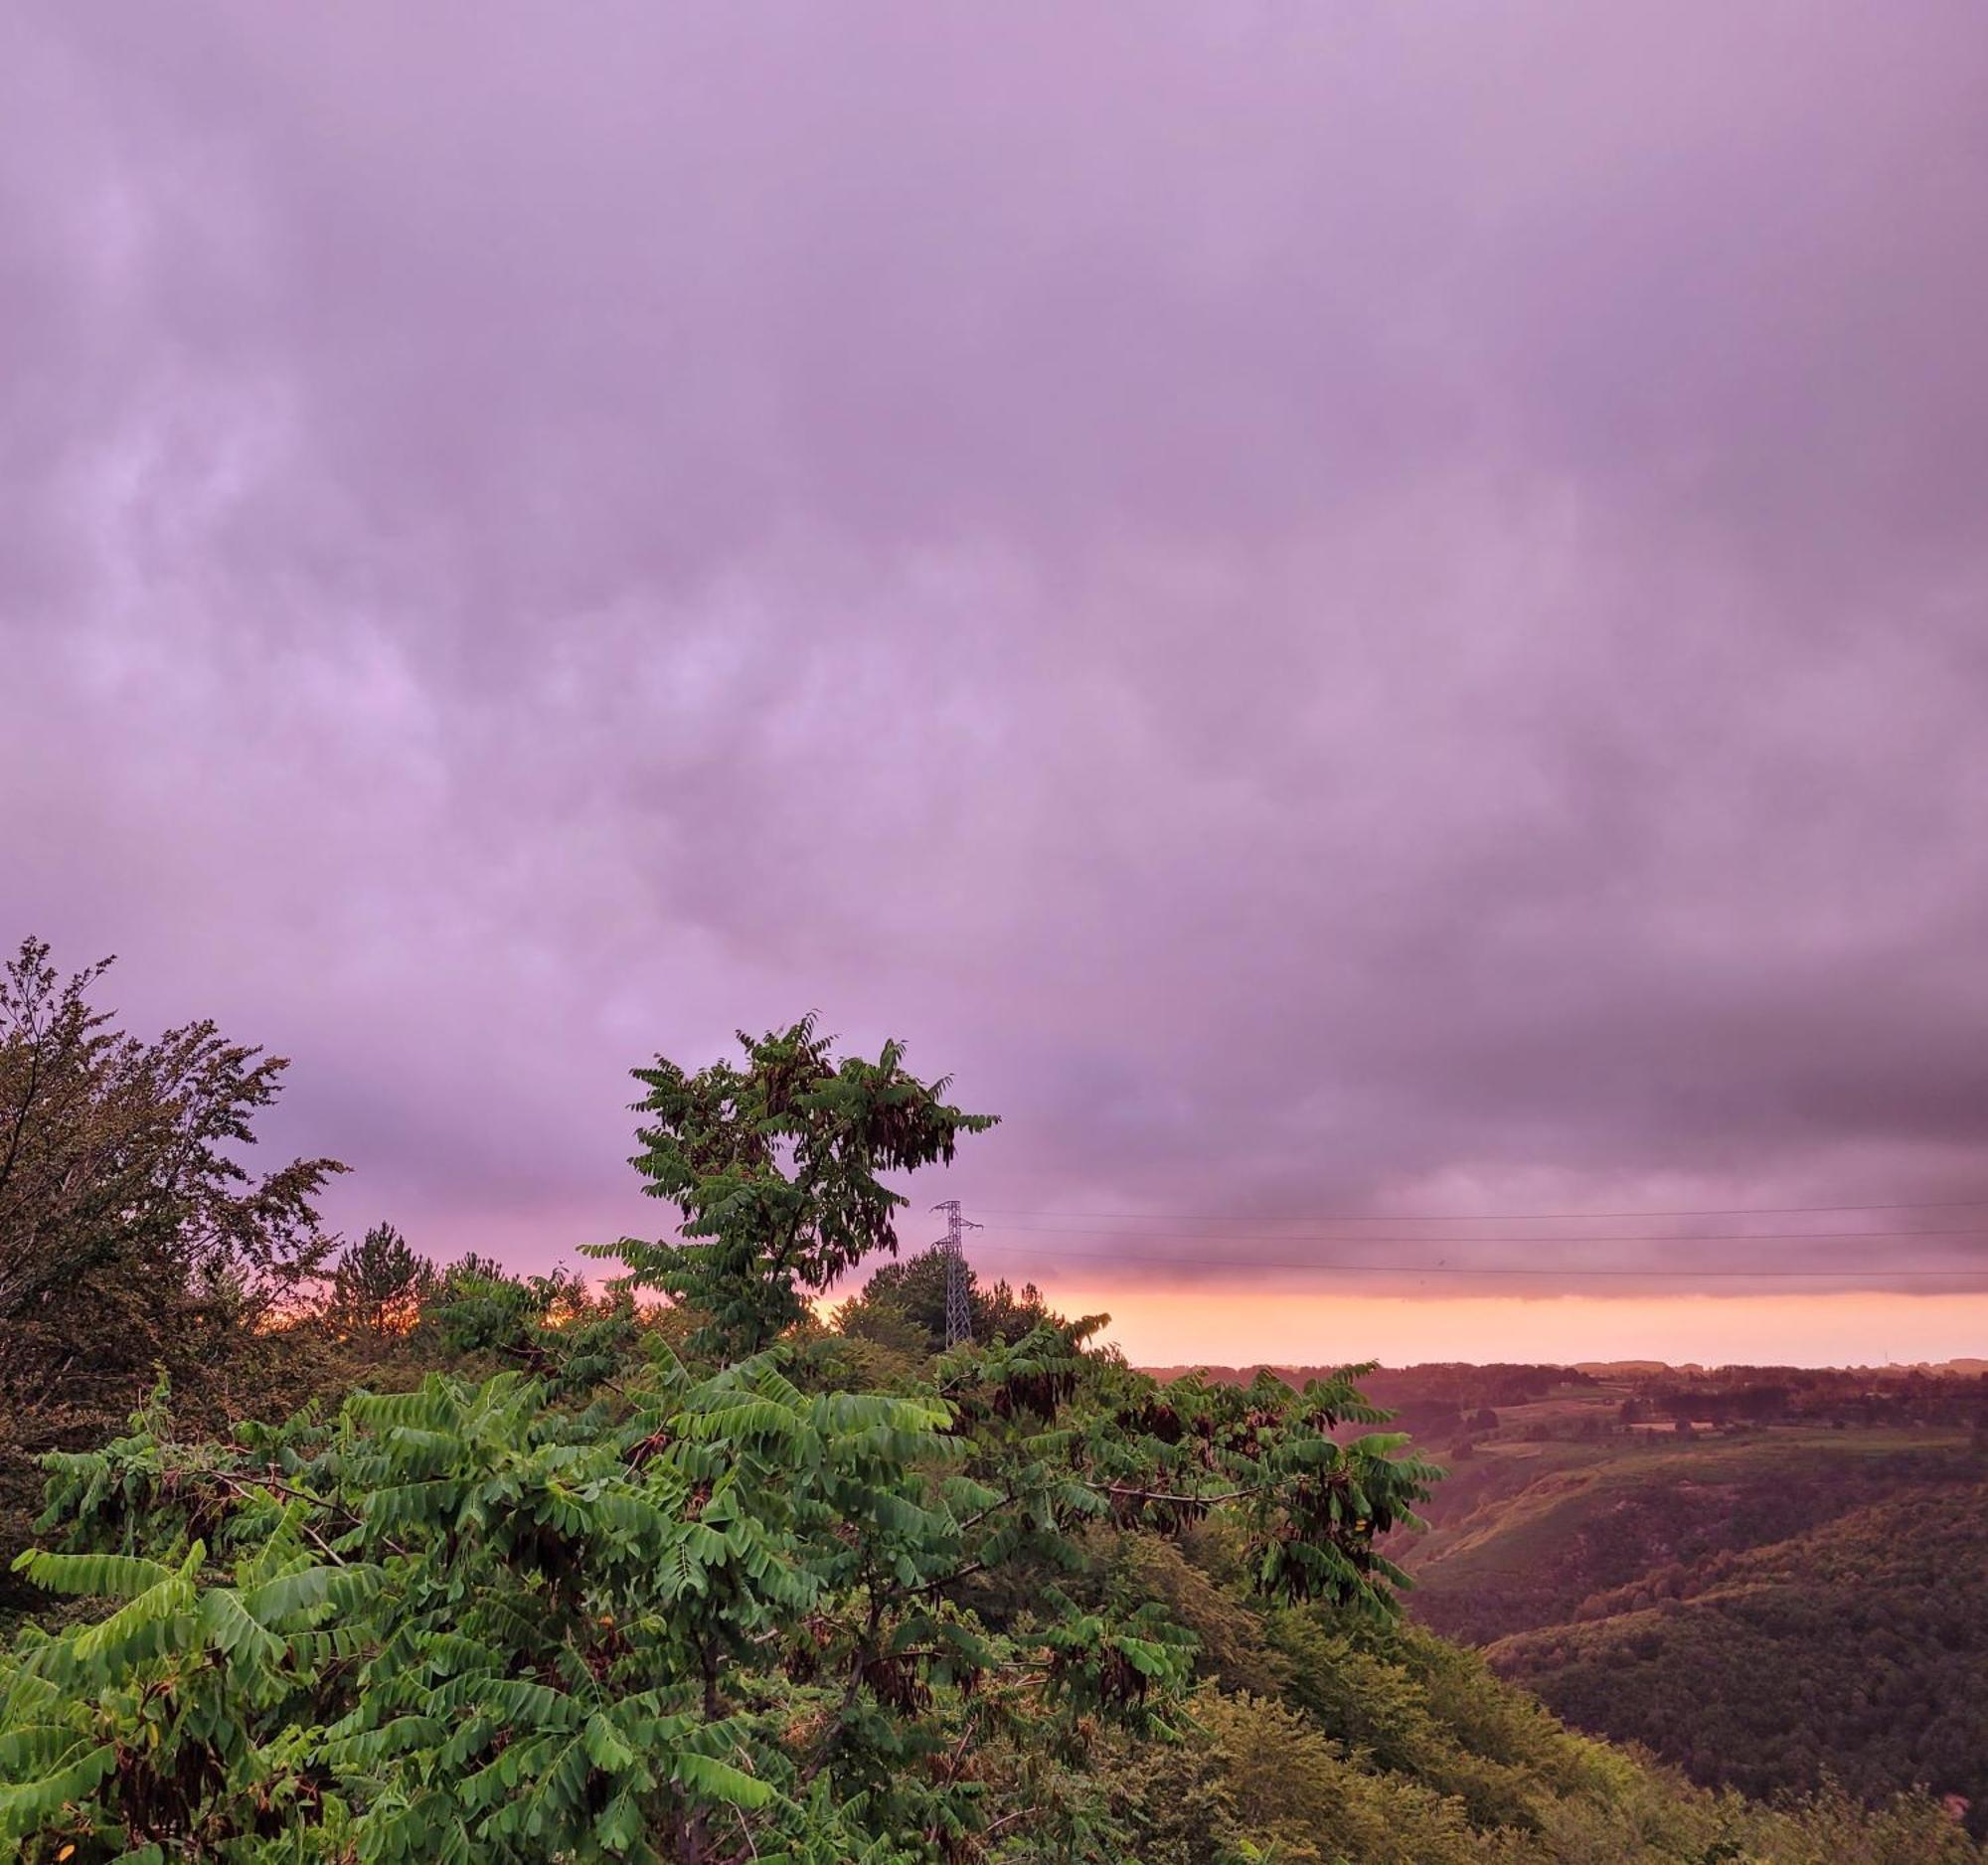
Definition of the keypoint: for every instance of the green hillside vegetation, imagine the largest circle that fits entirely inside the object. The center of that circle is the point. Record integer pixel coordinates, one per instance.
(197, 1721)
(1857, 1650)
(1768, 1605)
(1529, 1532)
(521, 1571)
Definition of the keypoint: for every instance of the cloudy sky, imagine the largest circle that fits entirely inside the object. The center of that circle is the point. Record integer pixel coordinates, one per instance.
(1340, 610)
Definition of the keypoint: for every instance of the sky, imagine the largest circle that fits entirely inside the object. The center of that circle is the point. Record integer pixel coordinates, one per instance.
(1358, 618)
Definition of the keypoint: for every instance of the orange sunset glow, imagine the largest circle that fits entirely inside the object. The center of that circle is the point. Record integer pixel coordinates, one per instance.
(1207, 1324)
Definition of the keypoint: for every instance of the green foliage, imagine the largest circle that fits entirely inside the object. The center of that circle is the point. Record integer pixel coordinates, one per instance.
(616, 1603)
(131, 1232)
(553, 1326)
(1855, 1652)
(380, 1282)
(776, 1169)
(1386, 1747)
(902, 1306)
(469, 1622)
(609, 1589)
(122, 1199)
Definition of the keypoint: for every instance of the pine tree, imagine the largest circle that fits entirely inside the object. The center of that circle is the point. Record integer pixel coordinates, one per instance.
(380, 1282)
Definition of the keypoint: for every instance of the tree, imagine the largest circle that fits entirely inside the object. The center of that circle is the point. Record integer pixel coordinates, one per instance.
(380, 1282)
(125, 1215)
(716, 1609)
(553, 1326)
(776, 1169)
(132, 1235)
(903, 1303)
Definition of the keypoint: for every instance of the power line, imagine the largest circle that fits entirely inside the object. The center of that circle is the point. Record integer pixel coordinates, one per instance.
(1486, 1217)
(1673, 1237)
(1455, 1269)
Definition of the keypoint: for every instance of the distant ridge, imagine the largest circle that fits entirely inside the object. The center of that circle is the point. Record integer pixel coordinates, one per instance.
(1967, 1367)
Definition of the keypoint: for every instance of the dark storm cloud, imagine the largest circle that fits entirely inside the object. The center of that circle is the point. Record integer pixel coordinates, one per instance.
(1333, 609)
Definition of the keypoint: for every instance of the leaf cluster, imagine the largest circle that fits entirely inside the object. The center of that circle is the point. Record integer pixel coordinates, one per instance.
(126, 1211)
(777, 1171)
(708, 1614)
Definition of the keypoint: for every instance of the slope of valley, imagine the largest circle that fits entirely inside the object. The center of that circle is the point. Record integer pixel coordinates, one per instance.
(1769, 1607)
(1773, 1577)
(1857, 1650)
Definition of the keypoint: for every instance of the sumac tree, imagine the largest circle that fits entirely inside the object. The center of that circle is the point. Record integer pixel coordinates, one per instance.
(776, 1169)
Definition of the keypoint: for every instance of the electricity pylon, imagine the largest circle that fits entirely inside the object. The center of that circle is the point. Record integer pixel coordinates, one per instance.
(958, 1307)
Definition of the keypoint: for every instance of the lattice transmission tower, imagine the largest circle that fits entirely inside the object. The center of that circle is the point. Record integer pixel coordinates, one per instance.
(958, 1307)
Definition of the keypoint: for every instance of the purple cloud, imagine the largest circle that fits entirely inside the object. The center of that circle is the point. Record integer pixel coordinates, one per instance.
(1335, 610)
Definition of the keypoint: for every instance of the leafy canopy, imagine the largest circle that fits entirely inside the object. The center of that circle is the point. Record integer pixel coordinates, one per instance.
(380, 1282)
(902, 1304)
(625, 1603)
(125, 1204)
(776, 1168)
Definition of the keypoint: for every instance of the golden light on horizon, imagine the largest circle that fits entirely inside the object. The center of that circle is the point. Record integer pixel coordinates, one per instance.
(1206, 1324)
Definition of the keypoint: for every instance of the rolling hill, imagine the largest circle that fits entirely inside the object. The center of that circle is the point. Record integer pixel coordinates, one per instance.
(1770, 1610)
(1855, 1650)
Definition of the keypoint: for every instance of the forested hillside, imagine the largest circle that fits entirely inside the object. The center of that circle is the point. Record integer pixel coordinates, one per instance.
(1857, 1650)
(1766, 1605)
(1528, 1535)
